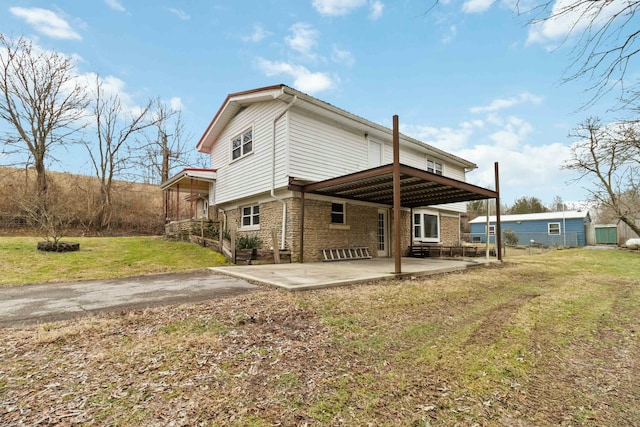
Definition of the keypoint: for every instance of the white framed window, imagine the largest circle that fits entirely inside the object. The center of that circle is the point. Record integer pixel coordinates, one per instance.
(434, 167)
(250, 216)
(492, 230)
(426, 226)
(338, 213)
(242, 144)
(554, 228)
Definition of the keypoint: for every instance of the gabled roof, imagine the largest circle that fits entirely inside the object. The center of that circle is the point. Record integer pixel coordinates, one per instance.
(545, 216)
(234, 102)
(196, 178)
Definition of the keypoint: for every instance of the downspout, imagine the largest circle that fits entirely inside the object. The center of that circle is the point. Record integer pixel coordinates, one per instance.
(273, 171)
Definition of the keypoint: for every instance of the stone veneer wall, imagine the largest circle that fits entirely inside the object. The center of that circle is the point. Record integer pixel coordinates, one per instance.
(360, 228)
(270, 218)
(449, 230)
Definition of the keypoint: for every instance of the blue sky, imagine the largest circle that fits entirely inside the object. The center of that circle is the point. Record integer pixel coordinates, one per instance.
(470, 77)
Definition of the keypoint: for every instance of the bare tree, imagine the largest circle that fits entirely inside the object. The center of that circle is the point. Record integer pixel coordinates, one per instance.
(607, 40)
(40, 99)
(115, 130)
(558, 205)
(165, 150)
(610, 157)
(53, 213)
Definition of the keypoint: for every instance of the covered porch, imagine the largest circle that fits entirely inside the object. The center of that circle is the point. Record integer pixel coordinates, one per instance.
(399, 186)
(186, 200)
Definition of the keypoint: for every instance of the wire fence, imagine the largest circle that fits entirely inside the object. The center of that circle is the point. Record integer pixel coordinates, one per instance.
(510, 238)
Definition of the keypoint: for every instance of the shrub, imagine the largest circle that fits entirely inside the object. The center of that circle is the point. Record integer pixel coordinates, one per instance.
(246, 241)
(510, 237)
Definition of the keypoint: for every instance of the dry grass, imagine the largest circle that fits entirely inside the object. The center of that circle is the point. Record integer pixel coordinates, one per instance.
(137, 207)
(549, 339)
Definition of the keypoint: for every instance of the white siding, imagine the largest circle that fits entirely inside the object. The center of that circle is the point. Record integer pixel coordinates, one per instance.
(307, 147)
(413, 158)
(320, 150)
(251, 174)
(455, 172)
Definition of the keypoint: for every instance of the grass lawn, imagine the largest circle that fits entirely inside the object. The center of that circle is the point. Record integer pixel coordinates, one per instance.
(99, 258)
(544, 339)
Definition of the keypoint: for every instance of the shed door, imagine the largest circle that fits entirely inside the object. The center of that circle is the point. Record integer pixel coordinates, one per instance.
(606, 235)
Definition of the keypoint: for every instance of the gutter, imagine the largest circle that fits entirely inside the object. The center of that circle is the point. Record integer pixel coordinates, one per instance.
(273, 170)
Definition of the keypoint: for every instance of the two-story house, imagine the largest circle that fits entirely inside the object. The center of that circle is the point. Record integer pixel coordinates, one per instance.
(321, 177)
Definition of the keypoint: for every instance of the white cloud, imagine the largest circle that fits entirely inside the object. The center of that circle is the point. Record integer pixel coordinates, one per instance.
(179, 13)
(449, 35)
(337, 7)
(115, 5)
(525, 169)
(513, 133)
(176, 103)
(445, 138)
(476, 6)
(258, 34)
(303, 38)
(304, 80)
(112, 87)
(500, 104)
(342, 56)
(567, 17)
(376, 10)
(46, 22)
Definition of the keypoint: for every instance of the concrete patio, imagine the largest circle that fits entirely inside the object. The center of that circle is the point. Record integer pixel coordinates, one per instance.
(315, 275)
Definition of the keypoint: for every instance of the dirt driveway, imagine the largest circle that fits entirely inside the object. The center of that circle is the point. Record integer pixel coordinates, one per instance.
(21, 305)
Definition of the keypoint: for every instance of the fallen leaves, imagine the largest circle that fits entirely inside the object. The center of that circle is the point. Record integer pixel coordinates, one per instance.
(394, 353)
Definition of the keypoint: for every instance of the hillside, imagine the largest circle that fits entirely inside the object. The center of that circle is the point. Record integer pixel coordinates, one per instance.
(137, 206)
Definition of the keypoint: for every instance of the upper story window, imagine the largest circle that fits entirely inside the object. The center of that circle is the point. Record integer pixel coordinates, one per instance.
(554, 228)
(434, 167)
(337, 213)
(242, 144)
(492, 230)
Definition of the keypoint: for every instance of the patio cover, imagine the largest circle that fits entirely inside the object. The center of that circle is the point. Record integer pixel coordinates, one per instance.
(417, 187)
(397, 185)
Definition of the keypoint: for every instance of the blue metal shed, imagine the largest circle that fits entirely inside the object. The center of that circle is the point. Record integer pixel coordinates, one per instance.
(566, 228)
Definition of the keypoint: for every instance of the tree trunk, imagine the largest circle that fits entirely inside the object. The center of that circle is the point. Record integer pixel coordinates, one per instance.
(165, 159)
(41, 177)
(631, 223)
